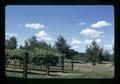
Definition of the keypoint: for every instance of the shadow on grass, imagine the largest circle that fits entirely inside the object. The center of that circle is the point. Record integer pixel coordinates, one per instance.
(11, 77)
(31, 73)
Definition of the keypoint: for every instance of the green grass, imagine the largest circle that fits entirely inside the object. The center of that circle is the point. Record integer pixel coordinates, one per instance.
(80, 71)
(92, 74)
(95, 74)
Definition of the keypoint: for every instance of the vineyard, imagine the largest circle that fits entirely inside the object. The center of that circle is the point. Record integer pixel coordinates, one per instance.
(52, 65)
(37, 59)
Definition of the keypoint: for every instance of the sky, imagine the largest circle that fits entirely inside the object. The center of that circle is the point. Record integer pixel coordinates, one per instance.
(78, 24)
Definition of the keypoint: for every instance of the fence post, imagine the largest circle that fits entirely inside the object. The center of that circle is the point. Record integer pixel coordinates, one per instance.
(72, 63)
(25, 65)
(47, 65)
(62, 63)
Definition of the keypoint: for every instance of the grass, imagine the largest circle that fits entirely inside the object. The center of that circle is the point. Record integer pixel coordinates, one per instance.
(80, 71)
(94, 74)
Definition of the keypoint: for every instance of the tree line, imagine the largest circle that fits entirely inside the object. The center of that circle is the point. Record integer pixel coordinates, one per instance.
(94, 53)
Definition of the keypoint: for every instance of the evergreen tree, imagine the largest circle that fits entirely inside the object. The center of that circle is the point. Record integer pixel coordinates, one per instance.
(62, 46)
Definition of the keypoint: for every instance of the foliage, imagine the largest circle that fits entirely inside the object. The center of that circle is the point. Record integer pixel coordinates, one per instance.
(11, 43)
(106, 55)
(112, 55)
(94, 52)
(36, 56)
(62, 46)
(32, 43)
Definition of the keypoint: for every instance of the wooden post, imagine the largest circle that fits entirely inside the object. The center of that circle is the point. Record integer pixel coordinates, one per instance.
(62, 60)
(47, 65)
(25, 65)
(72, 63)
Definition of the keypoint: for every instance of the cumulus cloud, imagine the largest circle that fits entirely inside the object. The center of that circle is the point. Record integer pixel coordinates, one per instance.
(34, 25)
(75, 47)
(82, 23)
(100, 24)
(75, 44)
(11, 34)
(108, 46)
(75, 41)
(98, 40)
(89, 41)
(42, 35)
(91, 32)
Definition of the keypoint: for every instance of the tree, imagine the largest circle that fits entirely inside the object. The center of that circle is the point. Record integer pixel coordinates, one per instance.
(88, 53)
(106, 55)
(26, 45)
(62, 46)
(32, 42)
(11, 43)
(7, 44)
(21, 47)
(94, 52)
(112, 55)
(100, 56)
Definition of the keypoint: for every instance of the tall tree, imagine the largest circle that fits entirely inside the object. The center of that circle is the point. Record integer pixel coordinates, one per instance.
(94, 52)
(100, 55)
(88, 56)
(7, 43)
(26, 45)
(106, 55)
(62, 46)
(20, 47)
(112, 55)
(11, 43)
(33, 43)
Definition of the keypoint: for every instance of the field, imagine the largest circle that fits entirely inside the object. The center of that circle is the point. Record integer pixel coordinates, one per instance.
(105, 70)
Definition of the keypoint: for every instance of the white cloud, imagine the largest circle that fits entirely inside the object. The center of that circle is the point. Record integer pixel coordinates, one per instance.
(108, 46)
(11, 34)
(82, 23)
(98, 40)
(89, 41)
(42, 35)
(34, 25)
(91, 32)
(100, 24)
(75, 42)
(75, 47)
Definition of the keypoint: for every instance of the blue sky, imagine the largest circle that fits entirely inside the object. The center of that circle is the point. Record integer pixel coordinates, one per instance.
(79, 24)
